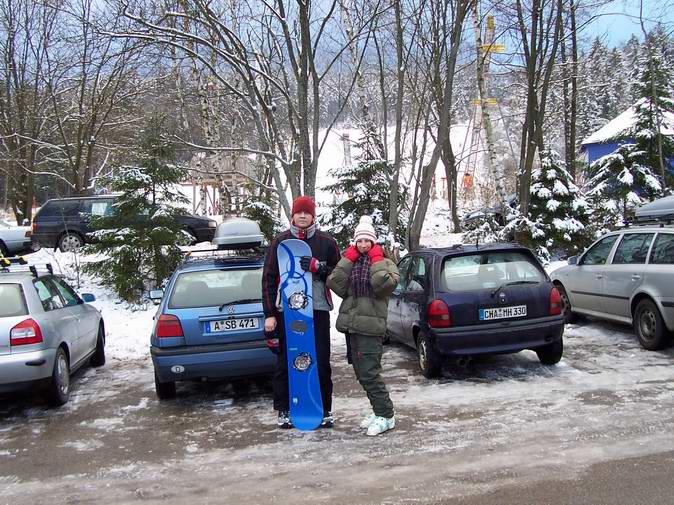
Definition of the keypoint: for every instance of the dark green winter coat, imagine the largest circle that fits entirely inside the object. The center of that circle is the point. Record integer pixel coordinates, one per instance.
(364, 315)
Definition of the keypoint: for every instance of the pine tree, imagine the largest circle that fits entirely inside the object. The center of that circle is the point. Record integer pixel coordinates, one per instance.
(367, 190)
(620, 184)
(556, 208)
(139, 241)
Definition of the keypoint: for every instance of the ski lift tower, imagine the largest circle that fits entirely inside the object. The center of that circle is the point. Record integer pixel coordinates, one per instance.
(472, 149)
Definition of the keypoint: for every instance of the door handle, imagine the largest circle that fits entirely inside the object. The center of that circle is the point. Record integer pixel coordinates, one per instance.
(599, 276)
(636, 277)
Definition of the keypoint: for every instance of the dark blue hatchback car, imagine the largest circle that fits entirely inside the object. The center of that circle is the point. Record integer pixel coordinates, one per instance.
(210, 323)
(468, 300)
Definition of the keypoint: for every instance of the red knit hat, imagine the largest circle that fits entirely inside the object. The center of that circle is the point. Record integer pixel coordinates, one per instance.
(304, 203)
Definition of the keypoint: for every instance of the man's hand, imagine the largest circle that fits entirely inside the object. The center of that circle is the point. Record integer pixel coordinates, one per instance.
(376, 254)
(352, 253)
(312, 265)
(270, 324)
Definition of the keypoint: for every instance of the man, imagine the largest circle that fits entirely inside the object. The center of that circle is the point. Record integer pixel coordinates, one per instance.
(325, 255)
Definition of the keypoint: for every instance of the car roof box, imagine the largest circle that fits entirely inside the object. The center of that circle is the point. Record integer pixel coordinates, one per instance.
(659, 210)
(238, 233)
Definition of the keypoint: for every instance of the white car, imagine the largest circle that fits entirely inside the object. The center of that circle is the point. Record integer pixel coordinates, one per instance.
(14, 239)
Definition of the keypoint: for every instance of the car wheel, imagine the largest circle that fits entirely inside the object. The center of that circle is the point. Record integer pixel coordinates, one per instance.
(569, 317)
(165, 390)
(3, 249)
(193, 236)
(98, 358)
(429, 359)
(649, 326)
(387, 338)
(70, 241)
(59, 386)
(551, 353)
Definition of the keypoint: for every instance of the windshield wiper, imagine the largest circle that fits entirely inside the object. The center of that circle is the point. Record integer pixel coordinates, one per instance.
(243, 300)
(512, 283)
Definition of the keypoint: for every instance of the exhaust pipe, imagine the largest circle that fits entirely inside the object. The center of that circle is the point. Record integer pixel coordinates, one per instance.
(464, 361)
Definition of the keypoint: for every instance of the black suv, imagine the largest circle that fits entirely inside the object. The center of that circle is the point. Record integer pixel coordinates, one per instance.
(64, 222)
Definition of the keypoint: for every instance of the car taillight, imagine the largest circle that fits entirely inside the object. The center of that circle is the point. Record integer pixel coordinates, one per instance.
(28, 234)
(438, 315)
(169, 326)
(34, 226)
(555, 302)
(24, 333)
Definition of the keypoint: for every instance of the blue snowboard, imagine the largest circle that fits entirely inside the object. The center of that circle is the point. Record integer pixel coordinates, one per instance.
(306, 405)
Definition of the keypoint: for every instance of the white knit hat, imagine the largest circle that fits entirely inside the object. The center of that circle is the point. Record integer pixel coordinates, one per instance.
(365, 230)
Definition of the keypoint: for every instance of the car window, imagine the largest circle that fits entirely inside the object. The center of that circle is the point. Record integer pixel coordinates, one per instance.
(66, 292)
(208, 288)
(598, 253)
(403, 268)
(417, 275)
(63, 208)
(97, 208)
(489, 270)
(633, 249)
(48, 294)
(663, 250)
(12, 301)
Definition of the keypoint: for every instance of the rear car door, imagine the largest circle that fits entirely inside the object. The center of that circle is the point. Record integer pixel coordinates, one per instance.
(87, 322)
(584, 284)
(393, 322)
(218, 305)
(61, 215)
(64, 324)
(624, 274)
(414, 298)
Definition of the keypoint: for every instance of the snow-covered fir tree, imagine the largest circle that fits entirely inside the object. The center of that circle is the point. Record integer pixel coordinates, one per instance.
(138, 242)
(366, 189)
(557, 211)
(620, 184)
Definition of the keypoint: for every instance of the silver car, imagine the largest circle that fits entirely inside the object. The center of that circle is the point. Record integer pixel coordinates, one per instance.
(46, 332)
(626, 276)
(14, 239)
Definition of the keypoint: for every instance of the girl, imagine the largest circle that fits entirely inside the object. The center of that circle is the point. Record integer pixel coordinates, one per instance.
(364, 278)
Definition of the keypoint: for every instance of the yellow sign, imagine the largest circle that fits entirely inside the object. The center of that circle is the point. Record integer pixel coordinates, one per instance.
(486, 101)
(493, 48)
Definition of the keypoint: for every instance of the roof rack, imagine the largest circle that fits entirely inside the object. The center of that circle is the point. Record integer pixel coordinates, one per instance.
(664, 220)
(23, 266)
(215, 253)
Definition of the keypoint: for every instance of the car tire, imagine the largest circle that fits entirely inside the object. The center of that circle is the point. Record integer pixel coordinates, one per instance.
(552, 353)
(70, 241)
(430, 362)
(164, 390)
(98, 358)
(59, 385)
(387, 338)
(569, 316)
(3, 249)
(649, 326)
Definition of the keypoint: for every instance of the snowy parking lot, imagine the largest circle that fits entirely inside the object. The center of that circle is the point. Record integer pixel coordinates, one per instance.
(501, 421)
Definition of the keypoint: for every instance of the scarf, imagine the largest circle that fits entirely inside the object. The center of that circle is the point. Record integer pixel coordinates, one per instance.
(360, 277)
(303, 234)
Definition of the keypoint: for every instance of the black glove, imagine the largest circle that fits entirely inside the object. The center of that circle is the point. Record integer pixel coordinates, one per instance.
(314, 266)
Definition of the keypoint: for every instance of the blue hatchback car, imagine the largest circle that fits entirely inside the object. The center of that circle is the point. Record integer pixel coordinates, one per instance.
(469, 300)
(210, 323)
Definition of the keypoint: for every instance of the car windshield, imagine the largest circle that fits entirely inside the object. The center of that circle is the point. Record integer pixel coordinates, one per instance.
(489, 270)
(12, 302)
(209, 288)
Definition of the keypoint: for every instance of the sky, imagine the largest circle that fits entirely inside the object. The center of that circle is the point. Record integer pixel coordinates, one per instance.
(620, 20)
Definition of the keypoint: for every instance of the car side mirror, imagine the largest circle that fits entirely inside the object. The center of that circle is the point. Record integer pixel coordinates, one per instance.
(156, 295)
(88, 297)
(573, 260)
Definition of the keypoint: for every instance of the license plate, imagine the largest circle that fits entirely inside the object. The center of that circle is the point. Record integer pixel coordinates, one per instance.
(246, 323)
(503, 312)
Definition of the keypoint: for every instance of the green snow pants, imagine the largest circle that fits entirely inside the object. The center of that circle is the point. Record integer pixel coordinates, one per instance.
(366, 353)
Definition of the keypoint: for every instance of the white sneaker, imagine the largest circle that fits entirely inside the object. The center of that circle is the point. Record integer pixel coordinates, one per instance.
(365, 423)
(380, 425)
